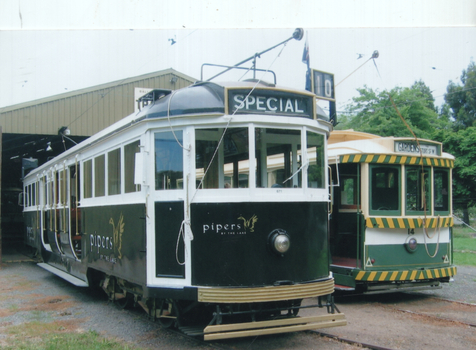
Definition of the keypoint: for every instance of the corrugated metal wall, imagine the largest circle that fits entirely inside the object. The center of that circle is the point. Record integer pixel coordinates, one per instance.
(87, 111)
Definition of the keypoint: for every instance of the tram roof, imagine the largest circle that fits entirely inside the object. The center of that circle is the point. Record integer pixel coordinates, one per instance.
(204, 98)
(342, 142)
(199, 98)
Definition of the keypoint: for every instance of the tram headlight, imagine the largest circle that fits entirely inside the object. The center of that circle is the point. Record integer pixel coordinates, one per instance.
(411, 244)
(279, 241)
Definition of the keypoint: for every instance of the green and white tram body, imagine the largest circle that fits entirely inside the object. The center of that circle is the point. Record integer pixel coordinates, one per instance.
(212, 201)
(391, 222)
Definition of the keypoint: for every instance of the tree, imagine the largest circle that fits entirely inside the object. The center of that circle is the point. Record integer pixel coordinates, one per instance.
(462, 144)
(375, 112)
(461, 108)
(462, 99)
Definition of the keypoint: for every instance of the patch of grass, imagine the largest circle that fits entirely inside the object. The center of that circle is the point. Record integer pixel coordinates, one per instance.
(464, 246)
(52, 336)
(464, 259)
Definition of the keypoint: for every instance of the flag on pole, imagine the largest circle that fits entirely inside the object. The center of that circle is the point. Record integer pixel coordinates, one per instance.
(305, 59)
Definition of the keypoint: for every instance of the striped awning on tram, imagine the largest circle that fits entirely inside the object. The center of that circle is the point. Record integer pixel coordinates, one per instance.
(394, 159)
(399, 222)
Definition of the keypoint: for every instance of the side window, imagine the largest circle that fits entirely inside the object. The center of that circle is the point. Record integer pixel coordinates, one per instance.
(168, 160)
(99, 176)
(441, 189)
(130, 151)
(348, 193)
(385, 190)
(33, 194)
(417, 182)
(88, 179)
(114, 172)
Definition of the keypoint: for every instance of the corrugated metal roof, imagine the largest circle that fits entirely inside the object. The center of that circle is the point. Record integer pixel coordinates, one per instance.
(86, 111)
(98, 87)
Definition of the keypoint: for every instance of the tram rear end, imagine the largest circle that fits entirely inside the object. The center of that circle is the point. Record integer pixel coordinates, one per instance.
(391, 227)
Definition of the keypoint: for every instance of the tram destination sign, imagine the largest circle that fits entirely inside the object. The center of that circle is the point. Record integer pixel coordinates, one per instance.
(322, 84)
(262, 101)
(413, 147)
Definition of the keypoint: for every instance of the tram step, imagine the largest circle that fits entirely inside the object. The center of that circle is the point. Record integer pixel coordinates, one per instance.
(192, 330)
(285, 325)
(68, 277)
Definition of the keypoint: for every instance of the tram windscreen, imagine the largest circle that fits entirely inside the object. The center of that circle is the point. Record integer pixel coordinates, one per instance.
(385, 188)
(278, 157)
(418, 189)
(222, 158)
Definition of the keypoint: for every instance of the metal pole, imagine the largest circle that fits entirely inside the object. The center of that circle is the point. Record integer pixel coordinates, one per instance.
(298, 34)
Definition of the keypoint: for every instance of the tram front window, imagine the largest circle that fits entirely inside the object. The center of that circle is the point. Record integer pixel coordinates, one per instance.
(385, 189)
(278, 158)
(168, 160)
(222, 158)
(418, 190)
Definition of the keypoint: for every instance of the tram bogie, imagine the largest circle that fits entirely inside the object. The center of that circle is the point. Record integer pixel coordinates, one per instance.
(391, 225)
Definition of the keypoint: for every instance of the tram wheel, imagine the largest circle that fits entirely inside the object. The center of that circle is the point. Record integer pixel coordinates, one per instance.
(125, 302)
(169, 313)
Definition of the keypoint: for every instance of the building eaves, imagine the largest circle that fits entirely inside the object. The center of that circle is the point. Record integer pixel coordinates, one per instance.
(105, 86)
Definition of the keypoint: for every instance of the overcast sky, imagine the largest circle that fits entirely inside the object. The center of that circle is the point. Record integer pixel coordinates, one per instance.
(48, 48)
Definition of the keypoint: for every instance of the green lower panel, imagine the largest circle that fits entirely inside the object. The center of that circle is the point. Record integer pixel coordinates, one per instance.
(397, 257)
(344, 280)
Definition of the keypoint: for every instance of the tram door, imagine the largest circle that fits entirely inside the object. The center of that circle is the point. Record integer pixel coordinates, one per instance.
(346, 217)
(63, 211)
(75, 213)
(51, 214)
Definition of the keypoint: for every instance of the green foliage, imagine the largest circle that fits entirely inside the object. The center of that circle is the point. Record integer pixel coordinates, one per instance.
(461, 107)
(462, 144)
(379, 112)
(462, 99)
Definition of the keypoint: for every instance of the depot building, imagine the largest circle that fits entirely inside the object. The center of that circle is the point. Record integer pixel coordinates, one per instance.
(34, 132)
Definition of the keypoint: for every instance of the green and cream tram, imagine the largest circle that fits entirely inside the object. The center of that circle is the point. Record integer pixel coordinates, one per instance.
(391, 221)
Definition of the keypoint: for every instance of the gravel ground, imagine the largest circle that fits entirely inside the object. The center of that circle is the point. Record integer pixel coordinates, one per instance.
(27, 292)
(462, 289)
